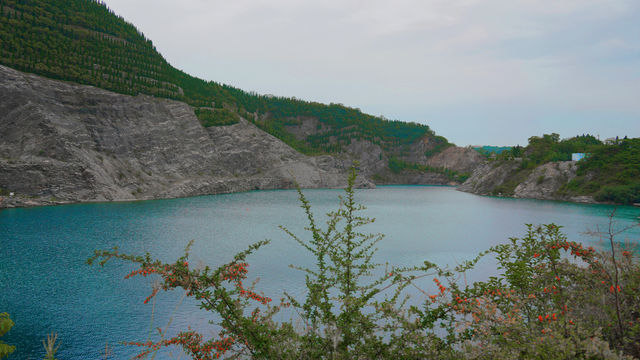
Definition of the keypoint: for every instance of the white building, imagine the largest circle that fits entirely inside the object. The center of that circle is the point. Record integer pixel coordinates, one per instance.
(577, 156)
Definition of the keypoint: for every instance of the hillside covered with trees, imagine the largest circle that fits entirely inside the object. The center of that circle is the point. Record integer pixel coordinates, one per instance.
(84, 42)
(610, 171)
(549, 147)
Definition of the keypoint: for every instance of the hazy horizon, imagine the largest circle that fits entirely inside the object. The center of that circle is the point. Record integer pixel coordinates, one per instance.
(477, 72)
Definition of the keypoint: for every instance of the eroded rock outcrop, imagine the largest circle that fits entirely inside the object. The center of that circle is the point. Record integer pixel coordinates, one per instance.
(61, 142)
(462, 160)
(506, 178)
(487, 177)
(545, 180)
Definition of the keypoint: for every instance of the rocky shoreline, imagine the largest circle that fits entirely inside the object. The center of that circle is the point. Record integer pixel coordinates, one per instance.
(507, 179)
(222, 187)
(65, 143)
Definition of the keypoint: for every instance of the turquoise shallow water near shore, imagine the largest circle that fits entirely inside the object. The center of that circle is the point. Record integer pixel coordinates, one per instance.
(46, 286)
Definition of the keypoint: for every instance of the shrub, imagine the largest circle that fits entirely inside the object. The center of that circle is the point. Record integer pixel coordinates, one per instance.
(543, 304)
(216, 117)
(5, 325)
(621, 194)
(343, 314)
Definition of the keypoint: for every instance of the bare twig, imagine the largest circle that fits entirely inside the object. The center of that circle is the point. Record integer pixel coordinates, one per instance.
(50, 346)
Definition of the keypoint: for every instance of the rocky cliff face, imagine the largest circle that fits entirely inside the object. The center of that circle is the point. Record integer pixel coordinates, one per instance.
(507, 179)
(62, 142)
(545, 180)
(462, 160)
(487, 177)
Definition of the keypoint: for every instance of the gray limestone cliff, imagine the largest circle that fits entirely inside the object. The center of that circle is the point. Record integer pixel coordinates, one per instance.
(461, 160)
(506, 178)
(62, 142)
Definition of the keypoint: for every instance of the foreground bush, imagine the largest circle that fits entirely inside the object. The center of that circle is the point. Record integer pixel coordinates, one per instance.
(554, 299)
(5, 325)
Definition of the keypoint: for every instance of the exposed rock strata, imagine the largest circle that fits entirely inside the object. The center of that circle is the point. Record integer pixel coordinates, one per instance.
(62, 142)
(486, 177)
(544, 182)
(462, 160)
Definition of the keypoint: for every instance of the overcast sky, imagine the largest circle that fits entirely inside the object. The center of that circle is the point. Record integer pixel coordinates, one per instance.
(476, 71)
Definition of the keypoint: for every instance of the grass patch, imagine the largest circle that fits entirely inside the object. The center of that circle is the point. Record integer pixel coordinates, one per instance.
(216, 117)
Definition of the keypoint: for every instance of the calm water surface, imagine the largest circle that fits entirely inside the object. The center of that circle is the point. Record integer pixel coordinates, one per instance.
(46, 286)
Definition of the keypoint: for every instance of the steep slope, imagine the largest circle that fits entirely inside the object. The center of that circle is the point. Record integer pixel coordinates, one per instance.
(508, 179)
(84, 42)
(61, 142)
(609, 173)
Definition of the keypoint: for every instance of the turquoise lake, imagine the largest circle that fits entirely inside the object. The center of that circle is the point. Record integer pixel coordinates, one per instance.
(46, 285)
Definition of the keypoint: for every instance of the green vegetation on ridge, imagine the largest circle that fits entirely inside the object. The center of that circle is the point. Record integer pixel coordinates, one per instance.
(549, 147)
(610, 172)
(84, 42)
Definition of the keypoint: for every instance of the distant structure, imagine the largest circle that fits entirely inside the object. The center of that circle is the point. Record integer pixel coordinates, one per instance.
(578, 156)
